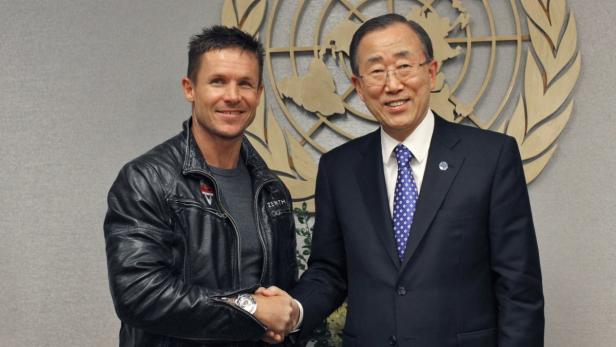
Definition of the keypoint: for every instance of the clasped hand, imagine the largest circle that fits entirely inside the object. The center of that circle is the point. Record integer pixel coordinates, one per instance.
(277, 310)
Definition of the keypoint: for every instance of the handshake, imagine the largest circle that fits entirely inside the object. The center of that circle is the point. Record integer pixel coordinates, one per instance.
(278, 311)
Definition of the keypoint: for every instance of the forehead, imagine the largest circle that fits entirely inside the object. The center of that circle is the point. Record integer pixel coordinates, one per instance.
(395, 41)
(229, 60)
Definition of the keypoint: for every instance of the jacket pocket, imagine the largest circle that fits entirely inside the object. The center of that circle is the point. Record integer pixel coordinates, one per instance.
(478, 338)
(205, 233)
(178, 204)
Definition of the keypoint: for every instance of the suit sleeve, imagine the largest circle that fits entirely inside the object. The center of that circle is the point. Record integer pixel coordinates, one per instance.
(322, 287)
(514, 255)
(147, 286)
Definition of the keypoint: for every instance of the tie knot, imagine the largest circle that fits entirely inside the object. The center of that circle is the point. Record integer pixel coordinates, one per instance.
(403, 155)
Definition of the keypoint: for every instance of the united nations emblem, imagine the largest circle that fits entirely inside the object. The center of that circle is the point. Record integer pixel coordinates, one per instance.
(508, 66)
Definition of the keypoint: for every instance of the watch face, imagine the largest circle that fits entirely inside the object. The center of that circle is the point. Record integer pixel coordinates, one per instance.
(247, 303)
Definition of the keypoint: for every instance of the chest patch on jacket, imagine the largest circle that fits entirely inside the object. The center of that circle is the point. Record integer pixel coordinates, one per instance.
(277, 207)
(207, 192)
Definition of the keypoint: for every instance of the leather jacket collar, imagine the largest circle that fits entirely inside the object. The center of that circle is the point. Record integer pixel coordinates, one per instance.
(194, 161)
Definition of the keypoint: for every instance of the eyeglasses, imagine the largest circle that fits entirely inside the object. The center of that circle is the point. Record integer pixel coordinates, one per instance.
(403, 72)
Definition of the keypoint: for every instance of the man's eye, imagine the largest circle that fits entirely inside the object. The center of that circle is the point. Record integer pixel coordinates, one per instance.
(377, 72)
(246, 84)
(217, 82)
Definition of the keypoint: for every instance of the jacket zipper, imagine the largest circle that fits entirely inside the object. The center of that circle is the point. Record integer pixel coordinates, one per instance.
(265, 267)
(238, 248)
(238, 271)
(235, 267)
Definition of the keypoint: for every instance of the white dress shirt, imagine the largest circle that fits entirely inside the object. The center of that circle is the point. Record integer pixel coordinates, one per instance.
(418, 142)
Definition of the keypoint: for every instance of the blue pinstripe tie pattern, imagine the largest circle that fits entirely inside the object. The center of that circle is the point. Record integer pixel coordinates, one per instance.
(405, 198)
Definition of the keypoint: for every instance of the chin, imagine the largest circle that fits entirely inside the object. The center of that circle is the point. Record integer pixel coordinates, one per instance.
(230, 135)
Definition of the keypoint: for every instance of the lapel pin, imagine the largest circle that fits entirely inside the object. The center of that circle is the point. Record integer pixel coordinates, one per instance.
(443, 166)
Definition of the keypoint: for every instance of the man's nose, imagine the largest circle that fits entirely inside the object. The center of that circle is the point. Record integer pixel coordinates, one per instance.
(232, 94)
(392, 83)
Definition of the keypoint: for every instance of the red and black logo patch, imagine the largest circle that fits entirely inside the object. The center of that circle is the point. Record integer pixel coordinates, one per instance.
(207, 192)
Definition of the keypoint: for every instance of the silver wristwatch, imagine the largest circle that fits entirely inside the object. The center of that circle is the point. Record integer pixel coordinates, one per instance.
(246, 302)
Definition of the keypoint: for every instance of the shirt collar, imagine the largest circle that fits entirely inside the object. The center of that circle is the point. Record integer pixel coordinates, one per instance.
(418, 142)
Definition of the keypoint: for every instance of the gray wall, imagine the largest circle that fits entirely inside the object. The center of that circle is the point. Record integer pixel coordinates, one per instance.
(86, 86)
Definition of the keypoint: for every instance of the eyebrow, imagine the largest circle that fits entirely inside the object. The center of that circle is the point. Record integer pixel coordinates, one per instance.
(401, 54)
(225, 76)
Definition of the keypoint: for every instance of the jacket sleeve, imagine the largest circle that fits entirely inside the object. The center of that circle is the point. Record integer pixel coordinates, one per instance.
(147, 290)
(514, 255)
(322, 287)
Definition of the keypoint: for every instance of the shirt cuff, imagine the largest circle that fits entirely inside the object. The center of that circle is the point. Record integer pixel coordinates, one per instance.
(301, 317)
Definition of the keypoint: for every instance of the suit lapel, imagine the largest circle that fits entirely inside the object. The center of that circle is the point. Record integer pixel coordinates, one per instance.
(441, 168)
(374, 192)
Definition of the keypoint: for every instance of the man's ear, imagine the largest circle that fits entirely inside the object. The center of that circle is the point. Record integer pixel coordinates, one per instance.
(260, 91)
(188, 88)
(358, 88)
(432, 71)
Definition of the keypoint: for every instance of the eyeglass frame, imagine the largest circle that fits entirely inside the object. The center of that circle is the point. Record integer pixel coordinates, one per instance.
(387, 71)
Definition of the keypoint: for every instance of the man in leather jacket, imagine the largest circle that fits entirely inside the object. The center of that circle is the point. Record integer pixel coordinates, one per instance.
(199, 222)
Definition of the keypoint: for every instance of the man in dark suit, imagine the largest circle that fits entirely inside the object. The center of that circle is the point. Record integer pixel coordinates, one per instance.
(424, 226)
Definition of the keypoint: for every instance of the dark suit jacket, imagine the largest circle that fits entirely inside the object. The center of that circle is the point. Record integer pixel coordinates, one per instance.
(471, 274)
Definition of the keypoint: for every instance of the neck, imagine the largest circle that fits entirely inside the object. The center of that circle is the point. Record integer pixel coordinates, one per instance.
(399, 136)
(218, 152)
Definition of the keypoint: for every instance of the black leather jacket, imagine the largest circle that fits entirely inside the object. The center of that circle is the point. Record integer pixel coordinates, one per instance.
(173, 250)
